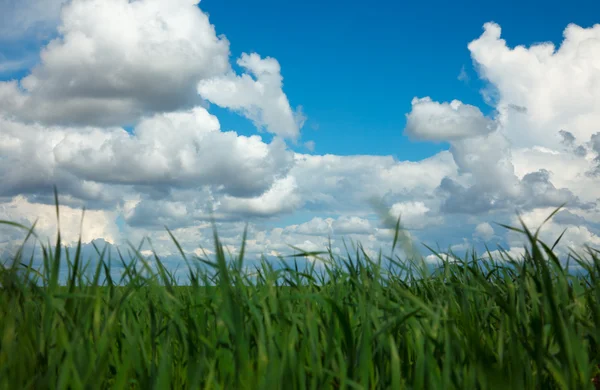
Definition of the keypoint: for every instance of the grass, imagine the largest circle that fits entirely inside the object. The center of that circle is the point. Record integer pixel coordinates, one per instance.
(354, 323)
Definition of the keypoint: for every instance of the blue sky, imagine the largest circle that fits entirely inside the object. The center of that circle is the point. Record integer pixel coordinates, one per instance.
(194, 88)
(355, 67)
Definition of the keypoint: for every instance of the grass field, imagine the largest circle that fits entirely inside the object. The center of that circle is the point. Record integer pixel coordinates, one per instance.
(351, 323)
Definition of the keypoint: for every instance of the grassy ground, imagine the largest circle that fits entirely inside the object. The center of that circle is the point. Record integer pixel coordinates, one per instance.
(352, 323)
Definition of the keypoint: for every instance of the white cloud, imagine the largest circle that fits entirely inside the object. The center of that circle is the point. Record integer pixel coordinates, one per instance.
(433, 121)
(260, 99)
(513, 253)
(116, 60)
(280, 198)
(96, 223)
(489, 162)
(344, 184)
(184, 149)
(537, 150)
(316, 226)
(557, 87)
(352, 225)
(415, 215)
(484, 230)
(309, 246)
(575, 237)
(462, 247)
(155, 61)
(29, 166)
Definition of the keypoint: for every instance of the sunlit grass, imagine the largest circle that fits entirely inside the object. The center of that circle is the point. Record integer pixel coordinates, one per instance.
(353, 322)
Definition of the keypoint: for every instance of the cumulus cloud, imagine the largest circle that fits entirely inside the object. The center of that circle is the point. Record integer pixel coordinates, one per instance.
(557, 85)
(29, 167)
(116, 60)
(181, 149)
(280, 198)
(568, 138)
(566, 170)
(341, 184)
(575, 236)
(510, 254)
(260, 99)
(352, 225)
(487, 179)
(540, 192)
(154, 64)
(595, 146)
(98, 75)
(96, 223)
(415, 215)
(570, 144)
(484, 230)
(518, 158)
(538, 91)
(433, 121)
(316, 226)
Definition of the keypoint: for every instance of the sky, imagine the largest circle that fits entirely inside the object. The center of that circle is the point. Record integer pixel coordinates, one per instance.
(296, 118)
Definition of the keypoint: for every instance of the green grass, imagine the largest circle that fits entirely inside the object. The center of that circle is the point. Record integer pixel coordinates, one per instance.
(352, 323)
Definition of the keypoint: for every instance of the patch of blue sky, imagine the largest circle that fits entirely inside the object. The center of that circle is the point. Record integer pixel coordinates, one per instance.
(356, 66)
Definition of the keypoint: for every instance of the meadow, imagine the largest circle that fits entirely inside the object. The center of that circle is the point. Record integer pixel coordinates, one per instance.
(351, 322)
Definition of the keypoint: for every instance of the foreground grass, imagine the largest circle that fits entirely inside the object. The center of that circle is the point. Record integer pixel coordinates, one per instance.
(352, 323)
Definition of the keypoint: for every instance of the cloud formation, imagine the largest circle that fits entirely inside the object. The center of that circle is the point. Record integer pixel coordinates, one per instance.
(433, 121)
(260, 99)
(117, 114)
(537, 150)
(116, 60)
(180, 149)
